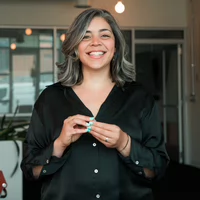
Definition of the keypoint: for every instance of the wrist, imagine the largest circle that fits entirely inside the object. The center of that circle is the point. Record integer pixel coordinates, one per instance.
(125, 144)
(58, 148)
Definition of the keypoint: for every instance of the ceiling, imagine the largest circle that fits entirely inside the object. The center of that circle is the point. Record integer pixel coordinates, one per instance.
(18, 1)
(77, 3)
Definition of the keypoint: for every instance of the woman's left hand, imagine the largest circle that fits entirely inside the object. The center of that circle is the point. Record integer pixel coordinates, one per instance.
(110, 135)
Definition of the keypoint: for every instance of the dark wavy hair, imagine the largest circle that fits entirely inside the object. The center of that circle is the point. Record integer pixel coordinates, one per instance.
(70, 71)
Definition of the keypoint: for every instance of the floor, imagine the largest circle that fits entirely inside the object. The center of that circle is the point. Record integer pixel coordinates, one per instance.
(180, 182)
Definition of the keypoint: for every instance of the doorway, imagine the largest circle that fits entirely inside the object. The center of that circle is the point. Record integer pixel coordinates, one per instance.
(159, 69)
(24, 84)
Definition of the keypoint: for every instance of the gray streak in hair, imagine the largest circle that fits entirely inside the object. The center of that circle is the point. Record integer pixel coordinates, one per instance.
(70, 71)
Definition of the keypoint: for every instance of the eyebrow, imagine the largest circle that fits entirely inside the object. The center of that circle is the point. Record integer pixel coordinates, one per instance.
(101, 30)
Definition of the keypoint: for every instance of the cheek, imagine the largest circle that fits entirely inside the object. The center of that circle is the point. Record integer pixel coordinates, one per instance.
(112, 47)
(81, 53)
(81, 47)
(113, 50)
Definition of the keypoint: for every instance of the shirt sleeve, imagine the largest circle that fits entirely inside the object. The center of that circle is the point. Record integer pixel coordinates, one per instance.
(151, 152)
(38, 150)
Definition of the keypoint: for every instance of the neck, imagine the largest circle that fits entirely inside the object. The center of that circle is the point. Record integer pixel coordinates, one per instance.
(96, 79)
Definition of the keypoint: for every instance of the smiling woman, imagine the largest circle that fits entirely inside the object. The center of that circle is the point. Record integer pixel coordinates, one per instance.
(97, 48)
(96, 132)
(79, 32)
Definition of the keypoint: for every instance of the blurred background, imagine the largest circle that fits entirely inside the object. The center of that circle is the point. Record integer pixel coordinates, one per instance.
(163, 38)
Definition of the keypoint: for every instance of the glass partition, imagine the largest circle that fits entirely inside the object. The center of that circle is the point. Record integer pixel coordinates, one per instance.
(26, 67)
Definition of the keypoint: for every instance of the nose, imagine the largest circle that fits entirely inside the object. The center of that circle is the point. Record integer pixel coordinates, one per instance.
(95, 41)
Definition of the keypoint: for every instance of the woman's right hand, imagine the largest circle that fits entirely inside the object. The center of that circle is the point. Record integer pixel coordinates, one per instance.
(73, 128)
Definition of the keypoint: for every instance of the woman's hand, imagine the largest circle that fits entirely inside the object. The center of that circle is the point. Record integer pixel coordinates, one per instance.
(109, 135)
(73, 128)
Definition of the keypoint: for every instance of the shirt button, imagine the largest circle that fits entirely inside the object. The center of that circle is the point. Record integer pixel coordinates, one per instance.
(136, 162)
(140, 173)
(94, 144)
(96, 171)
(44, 171)
(47, 161)
(97, 196)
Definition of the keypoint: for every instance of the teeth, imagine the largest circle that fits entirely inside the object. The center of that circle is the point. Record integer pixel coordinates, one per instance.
(96, 53)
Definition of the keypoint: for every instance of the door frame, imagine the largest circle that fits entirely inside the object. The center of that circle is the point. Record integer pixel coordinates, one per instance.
(181, 69)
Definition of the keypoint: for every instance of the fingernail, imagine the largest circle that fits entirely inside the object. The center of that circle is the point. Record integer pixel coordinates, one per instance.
(91, 123)
(91, 118)
(89, 129)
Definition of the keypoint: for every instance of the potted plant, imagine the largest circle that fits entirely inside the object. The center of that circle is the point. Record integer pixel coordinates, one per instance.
(12, 131)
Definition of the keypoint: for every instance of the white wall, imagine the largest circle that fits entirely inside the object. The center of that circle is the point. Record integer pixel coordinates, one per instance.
(138, 13)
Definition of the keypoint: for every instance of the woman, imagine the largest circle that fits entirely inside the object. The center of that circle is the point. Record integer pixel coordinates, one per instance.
(95, 133)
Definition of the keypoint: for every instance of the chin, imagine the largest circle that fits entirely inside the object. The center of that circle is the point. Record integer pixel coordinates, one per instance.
(99, 67)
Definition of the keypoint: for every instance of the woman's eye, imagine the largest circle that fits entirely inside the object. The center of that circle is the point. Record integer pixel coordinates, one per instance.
(86, 37)
(105, 36)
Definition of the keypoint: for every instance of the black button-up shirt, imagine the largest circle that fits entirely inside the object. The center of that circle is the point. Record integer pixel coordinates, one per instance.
(89, 170)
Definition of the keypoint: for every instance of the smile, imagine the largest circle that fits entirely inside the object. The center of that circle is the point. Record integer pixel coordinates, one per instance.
(96, 53)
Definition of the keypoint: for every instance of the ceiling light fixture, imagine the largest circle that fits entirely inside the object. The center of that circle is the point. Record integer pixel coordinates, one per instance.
(13, 46)
(63, 37)
(28, 31)
(119, 7)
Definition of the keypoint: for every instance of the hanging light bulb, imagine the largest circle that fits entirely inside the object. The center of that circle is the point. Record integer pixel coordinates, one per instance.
(119, 7)
(13, 46)
(28, 31)
(63, 37)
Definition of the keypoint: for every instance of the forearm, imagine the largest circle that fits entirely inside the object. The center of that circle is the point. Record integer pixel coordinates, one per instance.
(149, 173)
(58, 148)
(36, 171)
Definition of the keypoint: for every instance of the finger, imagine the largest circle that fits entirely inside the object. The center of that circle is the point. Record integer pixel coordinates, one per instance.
(100, 137)
(100, 131)
(82, 117)
(68, 118)
(107, 143)
(79, 119)
(79, 131)
(97, 137)
(77, 126)
(78, 123)
(104, 126)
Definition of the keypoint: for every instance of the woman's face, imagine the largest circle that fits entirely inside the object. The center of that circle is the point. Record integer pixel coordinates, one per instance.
(97, 48)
